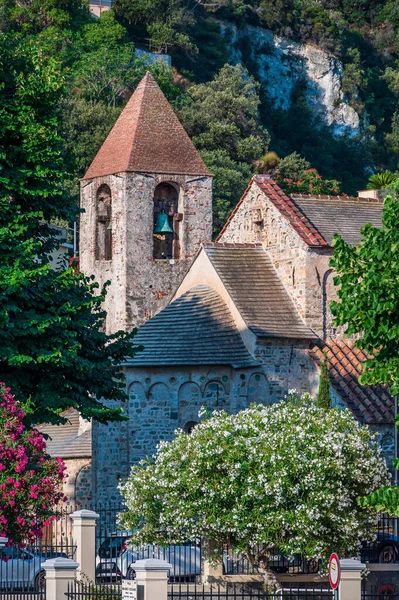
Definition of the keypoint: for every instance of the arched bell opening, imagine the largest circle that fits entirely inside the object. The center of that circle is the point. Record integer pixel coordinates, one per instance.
(104, 223)
(166, 222)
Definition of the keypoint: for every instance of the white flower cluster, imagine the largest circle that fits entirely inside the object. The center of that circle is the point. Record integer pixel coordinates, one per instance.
(285, 476)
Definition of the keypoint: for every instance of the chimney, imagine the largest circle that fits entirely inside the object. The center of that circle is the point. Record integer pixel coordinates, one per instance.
(375, 194)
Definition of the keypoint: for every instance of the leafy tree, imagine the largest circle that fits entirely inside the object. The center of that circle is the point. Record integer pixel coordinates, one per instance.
(224, 115)
(292, 166)
(54, 352)
(53, 349)
(309, 182)
(224, 123)
(230, 180)
(267, 480)
(366, 282)
(381, 181)
(30, 480)
(323, 394)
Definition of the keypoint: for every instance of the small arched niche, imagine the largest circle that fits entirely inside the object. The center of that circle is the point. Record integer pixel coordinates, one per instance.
(166, 221)
(104, 223)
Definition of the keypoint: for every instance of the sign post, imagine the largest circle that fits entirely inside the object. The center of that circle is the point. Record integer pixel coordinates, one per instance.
(129, 590)
(334, 573)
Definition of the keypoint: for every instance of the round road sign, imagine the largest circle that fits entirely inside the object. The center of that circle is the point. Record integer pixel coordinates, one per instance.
(334, 571)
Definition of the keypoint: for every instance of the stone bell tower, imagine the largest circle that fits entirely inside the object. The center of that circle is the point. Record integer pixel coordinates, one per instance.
(147, 200)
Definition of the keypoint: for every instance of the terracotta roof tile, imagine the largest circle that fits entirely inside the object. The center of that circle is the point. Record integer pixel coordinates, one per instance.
(370, 404)
(253, 284)
(317, 218)
(147, 137)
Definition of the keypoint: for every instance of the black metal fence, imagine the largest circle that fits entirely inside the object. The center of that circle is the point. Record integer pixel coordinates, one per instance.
(115, 555)
(385, 547)
(237, 591)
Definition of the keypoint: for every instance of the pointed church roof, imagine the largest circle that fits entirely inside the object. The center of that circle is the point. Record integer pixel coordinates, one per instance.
(148, 137)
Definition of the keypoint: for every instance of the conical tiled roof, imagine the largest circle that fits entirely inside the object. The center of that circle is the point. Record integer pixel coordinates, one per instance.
(147, 137)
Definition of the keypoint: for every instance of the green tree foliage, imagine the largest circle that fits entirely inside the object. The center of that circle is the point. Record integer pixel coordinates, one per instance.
(381, 181)
(252, 481)
(54, 351)
(224, 123)
(224, 115)
(366, 281)
(309, 182)
(230, 180)
(53, 348)
(323, 394)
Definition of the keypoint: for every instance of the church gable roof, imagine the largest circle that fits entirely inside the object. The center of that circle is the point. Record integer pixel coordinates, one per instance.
(147, 137)
(195, 329)
(370, 404)
(317, 218)
(337, 214)
(253, 284)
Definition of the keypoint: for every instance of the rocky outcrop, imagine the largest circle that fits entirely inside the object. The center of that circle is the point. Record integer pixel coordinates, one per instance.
(282, 63)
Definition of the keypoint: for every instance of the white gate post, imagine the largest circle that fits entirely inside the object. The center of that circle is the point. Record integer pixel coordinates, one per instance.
(60, 573)
(152, 579)
(209, 570)
(84, 536)
(350, 587)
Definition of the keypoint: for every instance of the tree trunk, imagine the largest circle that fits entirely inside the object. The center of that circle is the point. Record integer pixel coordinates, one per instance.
(261, 561)
(271, 581)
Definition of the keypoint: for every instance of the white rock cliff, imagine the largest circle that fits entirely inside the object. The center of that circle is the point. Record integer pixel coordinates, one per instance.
(282, 63)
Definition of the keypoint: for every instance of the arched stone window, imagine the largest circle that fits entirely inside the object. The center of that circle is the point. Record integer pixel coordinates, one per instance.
(215, 395)
(166, 217)
(104, 224)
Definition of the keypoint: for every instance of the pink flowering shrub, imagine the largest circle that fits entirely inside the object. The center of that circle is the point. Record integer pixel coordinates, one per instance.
(310, 182)
(30, 480)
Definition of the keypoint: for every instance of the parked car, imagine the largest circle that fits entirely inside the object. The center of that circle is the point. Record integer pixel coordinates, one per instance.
(22, 568)
(115, 558)
(384, 549)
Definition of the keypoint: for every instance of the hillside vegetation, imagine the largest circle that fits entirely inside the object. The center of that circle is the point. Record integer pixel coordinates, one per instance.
(228, 114)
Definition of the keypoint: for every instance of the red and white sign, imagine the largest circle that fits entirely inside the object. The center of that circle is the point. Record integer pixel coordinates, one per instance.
(334, 571)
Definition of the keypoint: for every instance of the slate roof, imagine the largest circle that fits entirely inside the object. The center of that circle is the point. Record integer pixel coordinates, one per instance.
(345, 216)
(317, 218)
(147, 137)
(196, 328)
(371, 404)
(65, 441)
(252, 282)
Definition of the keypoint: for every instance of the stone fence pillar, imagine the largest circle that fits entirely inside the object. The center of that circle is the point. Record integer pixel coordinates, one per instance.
(60, 573)
(350, 587)
(84, 536)
(152, 579)
(209, 570)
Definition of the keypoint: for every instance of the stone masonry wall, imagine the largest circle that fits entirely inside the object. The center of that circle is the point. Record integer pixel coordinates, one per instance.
(165, 398)
(106, 270)
(258, 220)
(141, 286)
(150, 282)
(304, 271)
(78, 484)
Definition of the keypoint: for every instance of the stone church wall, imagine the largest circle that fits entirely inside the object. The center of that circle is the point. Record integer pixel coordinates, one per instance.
(304, 271)
(140, 285)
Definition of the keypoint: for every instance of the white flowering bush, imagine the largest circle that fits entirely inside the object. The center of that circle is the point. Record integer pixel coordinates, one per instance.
(285, 477)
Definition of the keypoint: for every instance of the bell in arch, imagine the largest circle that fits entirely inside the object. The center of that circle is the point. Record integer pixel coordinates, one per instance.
(162, 224)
